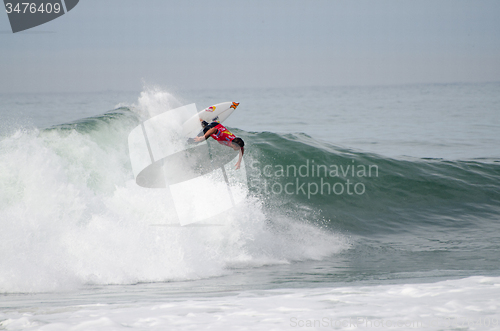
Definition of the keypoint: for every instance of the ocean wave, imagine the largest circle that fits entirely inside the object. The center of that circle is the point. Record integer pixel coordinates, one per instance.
(364, 192)
(71, 214)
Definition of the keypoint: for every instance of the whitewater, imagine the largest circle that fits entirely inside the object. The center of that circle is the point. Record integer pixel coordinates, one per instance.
(411, 244)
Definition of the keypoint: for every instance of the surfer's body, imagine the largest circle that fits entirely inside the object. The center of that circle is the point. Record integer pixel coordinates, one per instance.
(219, 132)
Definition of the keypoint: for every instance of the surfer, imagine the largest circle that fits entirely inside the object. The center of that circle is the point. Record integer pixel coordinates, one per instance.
(223, 136)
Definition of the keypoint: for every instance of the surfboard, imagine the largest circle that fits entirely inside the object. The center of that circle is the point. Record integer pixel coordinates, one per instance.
(219, 113)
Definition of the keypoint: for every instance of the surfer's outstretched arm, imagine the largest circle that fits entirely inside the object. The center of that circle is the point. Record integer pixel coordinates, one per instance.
(239, 159)
(206, 135)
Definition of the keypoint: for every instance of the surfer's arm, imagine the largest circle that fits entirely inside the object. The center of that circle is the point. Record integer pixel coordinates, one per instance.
(206, 135)
(239, 159)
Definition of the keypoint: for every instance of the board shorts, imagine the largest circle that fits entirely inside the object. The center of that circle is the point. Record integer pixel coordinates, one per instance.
(207, 126)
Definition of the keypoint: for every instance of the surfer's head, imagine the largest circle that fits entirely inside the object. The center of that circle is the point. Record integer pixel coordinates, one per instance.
(237, 144)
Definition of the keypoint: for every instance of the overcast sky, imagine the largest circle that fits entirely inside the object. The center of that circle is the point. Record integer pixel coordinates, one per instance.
(121, 44)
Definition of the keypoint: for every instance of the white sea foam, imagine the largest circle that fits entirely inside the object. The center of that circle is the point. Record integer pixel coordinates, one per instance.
(71, 214)
(465, 304)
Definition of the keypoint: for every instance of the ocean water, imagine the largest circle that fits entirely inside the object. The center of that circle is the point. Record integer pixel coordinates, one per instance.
(367, 208)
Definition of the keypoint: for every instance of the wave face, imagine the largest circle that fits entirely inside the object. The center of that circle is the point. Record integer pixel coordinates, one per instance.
(405, 217)
(71, 214)
(365, 193)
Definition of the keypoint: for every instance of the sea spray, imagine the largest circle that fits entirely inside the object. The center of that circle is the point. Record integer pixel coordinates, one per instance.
(71, 214)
